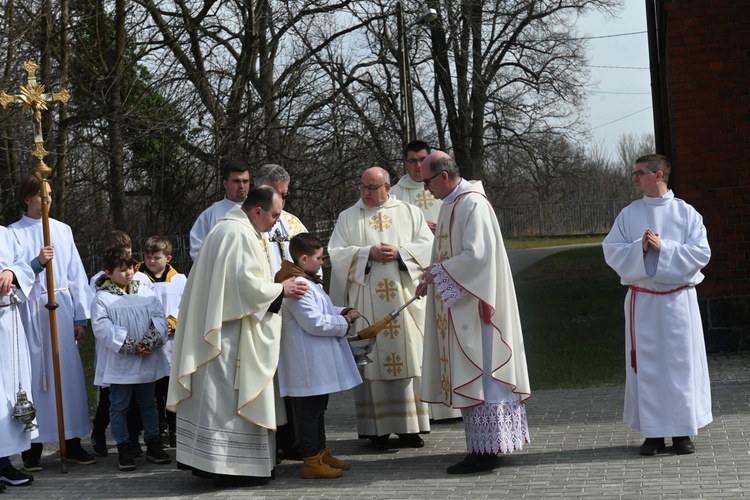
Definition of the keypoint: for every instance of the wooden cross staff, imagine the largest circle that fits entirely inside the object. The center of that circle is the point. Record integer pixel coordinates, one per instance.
(33, 98)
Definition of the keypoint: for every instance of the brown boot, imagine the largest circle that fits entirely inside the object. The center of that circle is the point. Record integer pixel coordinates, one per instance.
(331, 461)
(314, 468)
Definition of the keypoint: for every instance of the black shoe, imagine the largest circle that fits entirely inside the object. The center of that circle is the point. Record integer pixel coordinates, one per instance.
(380, 442)
(155, 452)
(125, 456)
(474, 462)
(411, 440)
(682, 445)
(164, 439)
(652, 446)
(77, 454)
(137, 450)
(32, 458)
(14, 477)
(99, 445)
(2, 486)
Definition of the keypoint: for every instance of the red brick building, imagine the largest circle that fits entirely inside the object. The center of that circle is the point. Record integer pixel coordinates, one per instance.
(700, 57)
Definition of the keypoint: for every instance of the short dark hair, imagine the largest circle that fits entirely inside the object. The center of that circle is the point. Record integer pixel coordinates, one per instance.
(303, 244)
(445, 164)
(260, 196)
(117, 238)
(30, 186)
(416, 146)
(656, 162)
(116, 257)
(233, 165)
(158, 244)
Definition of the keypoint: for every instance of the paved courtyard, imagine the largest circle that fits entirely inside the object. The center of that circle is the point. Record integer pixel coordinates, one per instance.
(579, 449)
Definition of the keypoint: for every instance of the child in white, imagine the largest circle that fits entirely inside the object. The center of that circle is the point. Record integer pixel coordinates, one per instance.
(130, 328)
(315, 357)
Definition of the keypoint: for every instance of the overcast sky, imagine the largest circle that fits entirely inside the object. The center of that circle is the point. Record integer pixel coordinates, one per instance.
(619, 99)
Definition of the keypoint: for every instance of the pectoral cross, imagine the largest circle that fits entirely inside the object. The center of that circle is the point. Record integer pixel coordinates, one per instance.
(34, 98)
(279, 239)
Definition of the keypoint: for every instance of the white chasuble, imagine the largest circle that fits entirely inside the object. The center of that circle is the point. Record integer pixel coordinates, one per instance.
(667, 387)
(74, 297)
(375, 288)
(414, 193)
(460, 366)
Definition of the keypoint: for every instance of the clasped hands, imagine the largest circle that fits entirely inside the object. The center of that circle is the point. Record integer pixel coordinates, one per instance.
(383, 252)
(650, 240)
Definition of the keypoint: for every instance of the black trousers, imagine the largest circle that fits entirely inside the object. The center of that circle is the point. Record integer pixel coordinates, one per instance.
(167, 419)
(309, 423)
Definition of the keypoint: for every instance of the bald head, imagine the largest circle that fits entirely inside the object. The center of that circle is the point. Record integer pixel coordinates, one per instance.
(374, 186)
(428, 162)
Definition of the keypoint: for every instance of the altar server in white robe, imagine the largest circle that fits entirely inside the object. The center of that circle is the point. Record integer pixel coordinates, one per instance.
(17, 277)
(74, 298)
(378, 250)
(474, 356)
(226, 350)
(236, 182)
(658, 246)
(411, 189)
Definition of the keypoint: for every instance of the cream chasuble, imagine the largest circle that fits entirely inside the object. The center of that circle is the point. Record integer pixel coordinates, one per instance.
(469, 245)
(226, 351)
(398, 351)
(413, 192)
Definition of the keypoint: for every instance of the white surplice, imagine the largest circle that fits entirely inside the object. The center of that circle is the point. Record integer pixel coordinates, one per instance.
(667, 388)
(74, 298)
(14, 351)
(226, 351)
(207, 220)
(388, 401)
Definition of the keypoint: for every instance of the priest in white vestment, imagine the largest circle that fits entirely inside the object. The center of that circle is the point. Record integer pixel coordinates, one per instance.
(474, 356)
(74, 298)
(658, 246)
(17, 277)
(378, 250)
(236, 182)
(226, 350)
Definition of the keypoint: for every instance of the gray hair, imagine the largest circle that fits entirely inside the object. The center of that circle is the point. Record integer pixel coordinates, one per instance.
(270, 173)
(445, 164)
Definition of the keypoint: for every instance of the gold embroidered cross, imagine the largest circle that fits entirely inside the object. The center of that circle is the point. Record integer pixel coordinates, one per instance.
(393, 364)
(441, 323)
(387, 290)
(392, 329)
(424, 200)
(380, 221)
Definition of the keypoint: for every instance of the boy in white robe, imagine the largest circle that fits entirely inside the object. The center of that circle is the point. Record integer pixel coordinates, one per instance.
(73, 297)
(658, 246)
(130, 329)
(17, 278)
(315, 358)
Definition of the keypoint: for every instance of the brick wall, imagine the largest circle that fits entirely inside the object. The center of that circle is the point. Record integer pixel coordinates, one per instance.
(705, 71)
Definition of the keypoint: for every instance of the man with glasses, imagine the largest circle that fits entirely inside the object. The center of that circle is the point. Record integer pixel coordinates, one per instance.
(474, 357)
(236, 182)
(226, 350)
(658, 246)
(378, 249)
(410, 187)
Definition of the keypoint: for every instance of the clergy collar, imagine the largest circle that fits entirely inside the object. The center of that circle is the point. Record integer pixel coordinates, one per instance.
(659, 200)
(390, 202)
(462, 186)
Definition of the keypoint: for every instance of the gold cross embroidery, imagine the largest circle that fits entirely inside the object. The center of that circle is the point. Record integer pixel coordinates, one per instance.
(424, 200)
(445, 380)
(380, 221)
(393, 364)
(441, 322)
(387, 290)
(392, 329)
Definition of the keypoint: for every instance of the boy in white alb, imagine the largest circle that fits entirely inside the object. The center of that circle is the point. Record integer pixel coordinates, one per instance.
(168, 284)
(130, 329)
(315, 357)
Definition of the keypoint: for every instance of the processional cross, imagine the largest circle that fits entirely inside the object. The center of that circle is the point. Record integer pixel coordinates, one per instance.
(34, 98)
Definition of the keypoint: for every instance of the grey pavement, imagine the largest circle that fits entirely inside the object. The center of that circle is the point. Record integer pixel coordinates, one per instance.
(580, 449)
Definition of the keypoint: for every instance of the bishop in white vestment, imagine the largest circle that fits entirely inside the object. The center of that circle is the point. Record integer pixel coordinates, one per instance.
(658, 246)
(378, 249)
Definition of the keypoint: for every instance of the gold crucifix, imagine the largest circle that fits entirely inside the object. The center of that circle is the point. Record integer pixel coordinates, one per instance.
(34, 98)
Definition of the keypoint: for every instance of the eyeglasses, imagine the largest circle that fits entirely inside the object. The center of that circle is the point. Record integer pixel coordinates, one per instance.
(286, 195)
(641, 173)
(427, 181)
(371, 189)
(414, 161)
